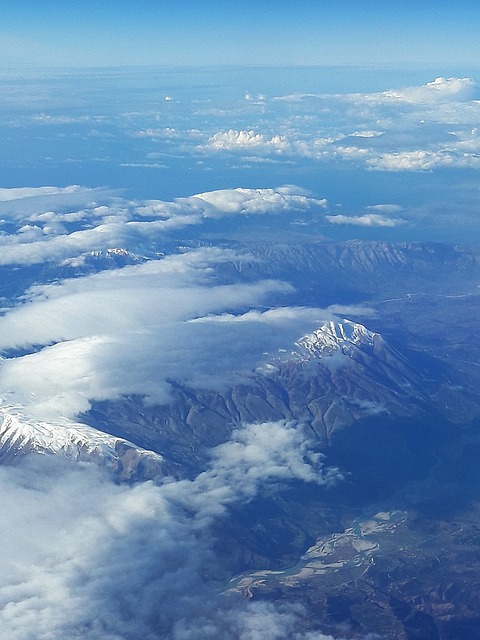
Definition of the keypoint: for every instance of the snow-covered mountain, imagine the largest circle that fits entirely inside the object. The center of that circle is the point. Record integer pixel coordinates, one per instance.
(330, 379)
(333, 337)
(20, 436)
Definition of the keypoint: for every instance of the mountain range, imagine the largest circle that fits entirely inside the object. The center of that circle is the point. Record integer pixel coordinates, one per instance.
(386, 389)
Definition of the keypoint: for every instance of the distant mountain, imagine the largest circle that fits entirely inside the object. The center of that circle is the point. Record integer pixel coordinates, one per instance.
(332, 272)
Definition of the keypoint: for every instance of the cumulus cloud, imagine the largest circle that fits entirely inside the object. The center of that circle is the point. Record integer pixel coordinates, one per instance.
(406, 129)
(351, 152)
(438, 91)
(232, 140)
(83, 557)
(165, 132)
(366, 134)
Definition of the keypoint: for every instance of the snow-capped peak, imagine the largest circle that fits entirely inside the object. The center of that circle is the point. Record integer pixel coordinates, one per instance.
(333, 337)
(20, 435)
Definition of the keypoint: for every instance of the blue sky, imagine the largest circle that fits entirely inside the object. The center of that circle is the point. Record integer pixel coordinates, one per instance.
(345, 32)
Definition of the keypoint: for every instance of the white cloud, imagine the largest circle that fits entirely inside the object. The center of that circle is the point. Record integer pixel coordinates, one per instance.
(386, 208)
(395, 130)
(83, 557)
(467, 141)
(455, 113)
(296, 97)
(144, 165)
(438, 91)
(256, 455)
(266, 160)
(365, 220)
(280, 316)
(44, 118)
(418, 160)
(232, 140)
(254, 201)
(366, 134)
(166, 132)
(351, 152)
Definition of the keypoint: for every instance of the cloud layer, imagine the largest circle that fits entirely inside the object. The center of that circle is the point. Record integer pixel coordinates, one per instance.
(43, 224)
(129, 330)
(406, 129)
